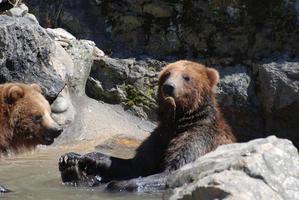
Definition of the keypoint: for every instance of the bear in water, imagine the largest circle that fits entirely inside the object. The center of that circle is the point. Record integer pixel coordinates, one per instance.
(25, 119)
(190, 125)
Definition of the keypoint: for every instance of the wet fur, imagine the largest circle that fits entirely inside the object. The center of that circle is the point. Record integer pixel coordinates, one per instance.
(194, 128)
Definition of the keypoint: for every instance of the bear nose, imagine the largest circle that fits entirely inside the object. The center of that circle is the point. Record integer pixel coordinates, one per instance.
(55, 132)
(168, 89)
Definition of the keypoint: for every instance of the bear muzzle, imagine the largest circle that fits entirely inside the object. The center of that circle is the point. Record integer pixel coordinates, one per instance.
(168, 90)
(51, 134)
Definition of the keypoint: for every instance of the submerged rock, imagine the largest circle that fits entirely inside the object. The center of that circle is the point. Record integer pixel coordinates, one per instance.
(258, 170)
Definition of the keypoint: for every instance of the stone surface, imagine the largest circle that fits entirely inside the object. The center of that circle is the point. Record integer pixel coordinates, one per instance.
(18, 11)
(278, 84)
(238, 101)
(63, 111)
(25, 55)
(233, 30)
(94, 119)
(130, 82)
(260, 169)
(82, 53)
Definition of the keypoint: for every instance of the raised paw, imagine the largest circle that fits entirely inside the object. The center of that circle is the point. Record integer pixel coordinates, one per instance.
(68, 167)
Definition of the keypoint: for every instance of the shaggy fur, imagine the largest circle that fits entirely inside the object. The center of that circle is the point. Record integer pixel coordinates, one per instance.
(25, 119)
(190, 125)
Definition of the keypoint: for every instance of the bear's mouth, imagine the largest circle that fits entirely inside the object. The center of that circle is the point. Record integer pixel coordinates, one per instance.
(51, 134)
(47, 140)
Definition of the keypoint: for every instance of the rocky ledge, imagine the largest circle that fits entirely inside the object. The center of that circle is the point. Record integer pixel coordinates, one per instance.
(261, 169)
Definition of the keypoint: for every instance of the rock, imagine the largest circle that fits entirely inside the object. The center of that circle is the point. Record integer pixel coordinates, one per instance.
(82, 54)
(60, 35)
(230, 30)
(61, 61)
(127, 81)
(63, 111)
(25, 55)
(98, 53)
(260, 169)
(95, 119)
(278, 83)
(238, 101)
(158, 9)
(18, 11)
(31, 17)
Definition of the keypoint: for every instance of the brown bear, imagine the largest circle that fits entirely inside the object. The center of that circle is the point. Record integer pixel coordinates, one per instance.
(190, 125)
(25, 118)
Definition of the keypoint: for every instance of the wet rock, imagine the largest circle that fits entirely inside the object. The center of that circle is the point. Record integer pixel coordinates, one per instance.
(25, 50)
(2, 188)
(260, 169)
(278, 83)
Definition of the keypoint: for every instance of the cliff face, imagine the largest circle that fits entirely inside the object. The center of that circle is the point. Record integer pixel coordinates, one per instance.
(228, 31)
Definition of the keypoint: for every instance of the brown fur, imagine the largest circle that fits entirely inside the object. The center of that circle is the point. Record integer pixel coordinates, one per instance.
(190, 125)
(25, 119)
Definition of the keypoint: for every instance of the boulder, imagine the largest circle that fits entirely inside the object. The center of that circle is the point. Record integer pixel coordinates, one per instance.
(25, 50)
(238, 102)
(261, 169)
(278, 84)
(82, 53)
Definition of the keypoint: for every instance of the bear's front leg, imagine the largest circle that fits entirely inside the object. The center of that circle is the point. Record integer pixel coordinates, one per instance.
(83, 169)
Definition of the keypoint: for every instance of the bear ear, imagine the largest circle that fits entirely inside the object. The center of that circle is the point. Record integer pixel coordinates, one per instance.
(36, 87)
(213, 76)
(14, 93)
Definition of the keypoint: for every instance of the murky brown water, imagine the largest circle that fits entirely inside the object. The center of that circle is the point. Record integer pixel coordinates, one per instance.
(35, 175)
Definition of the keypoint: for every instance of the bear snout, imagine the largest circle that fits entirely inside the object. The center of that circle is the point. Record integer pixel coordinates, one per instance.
(54, 132)
(168, 89)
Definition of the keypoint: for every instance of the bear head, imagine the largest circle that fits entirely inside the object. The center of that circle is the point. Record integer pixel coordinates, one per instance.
(186, 85)
(29, 116)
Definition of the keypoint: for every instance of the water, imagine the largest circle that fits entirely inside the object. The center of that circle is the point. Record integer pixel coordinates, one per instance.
(35, 175)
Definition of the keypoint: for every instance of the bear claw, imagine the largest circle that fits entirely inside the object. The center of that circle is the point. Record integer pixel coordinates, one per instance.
(68, 166)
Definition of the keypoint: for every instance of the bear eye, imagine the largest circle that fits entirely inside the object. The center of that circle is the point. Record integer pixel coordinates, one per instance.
(167, 74)
(186, 78)
(37, 118)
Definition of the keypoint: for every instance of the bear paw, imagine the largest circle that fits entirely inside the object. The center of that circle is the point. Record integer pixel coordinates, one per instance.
(78, 170)
(69, 168)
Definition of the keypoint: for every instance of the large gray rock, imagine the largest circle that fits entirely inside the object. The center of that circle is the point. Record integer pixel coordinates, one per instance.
(25, 55)
(238, 102)
(278, 84)
(258, 170)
